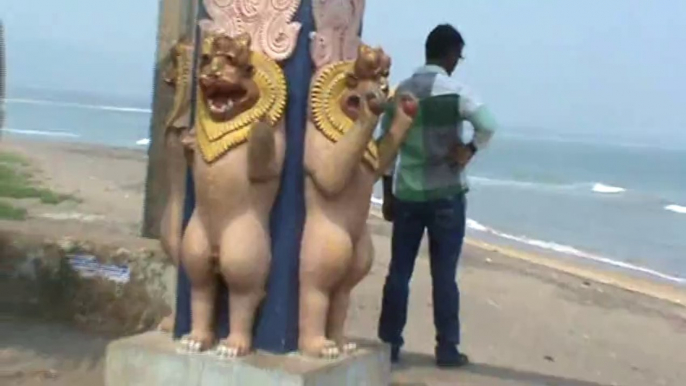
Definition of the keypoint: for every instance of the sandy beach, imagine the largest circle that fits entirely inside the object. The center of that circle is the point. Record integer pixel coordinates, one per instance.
(527, 319)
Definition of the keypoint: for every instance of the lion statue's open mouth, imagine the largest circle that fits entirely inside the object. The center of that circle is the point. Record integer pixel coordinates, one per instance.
(369, 80)
(221, 97)
(226, 77)
(375, 97)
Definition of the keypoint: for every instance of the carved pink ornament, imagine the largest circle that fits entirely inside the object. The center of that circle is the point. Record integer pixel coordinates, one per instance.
(337, 24)
(267, 21)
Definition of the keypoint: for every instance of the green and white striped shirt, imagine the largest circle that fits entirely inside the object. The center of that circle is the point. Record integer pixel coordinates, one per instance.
(422, 170)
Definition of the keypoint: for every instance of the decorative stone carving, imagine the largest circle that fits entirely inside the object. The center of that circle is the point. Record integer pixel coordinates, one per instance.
(337, 24)
(342, 163)
(238, 158)
(268, 22)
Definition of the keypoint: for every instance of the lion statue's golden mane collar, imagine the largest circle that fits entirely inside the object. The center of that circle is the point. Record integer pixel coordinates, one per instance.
(217, 138)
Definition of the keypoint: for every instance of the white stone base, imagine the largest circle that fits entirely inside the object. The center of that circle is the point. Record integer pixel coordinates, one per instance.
(152, 359)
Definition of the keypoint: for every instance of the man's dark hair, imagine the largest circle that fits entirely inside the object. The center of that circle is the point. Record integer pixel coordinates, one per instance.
(443, 40)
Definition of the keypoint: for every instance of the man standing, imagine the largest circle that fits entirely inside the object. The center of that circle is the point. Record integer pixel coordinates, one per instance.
(426, 190)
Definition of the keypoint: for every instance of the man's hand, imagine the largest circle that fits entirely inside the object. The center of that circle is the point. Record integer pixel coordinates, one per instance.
(387, 209)
(462, 154)
(388, 199)
(405, 110)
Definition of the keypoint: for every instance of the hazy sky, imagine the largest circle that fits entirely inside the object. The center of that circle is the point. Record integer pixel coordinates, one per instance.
(589, 66)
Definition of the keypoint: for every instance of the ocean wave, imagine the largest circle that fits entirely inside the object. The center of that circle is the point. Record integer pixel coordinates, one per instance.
(486, 181)
(596, 187)
(80, 105)
(676, 208)
(607, 189)
(143, 142)
(569, 250)
(41, 133)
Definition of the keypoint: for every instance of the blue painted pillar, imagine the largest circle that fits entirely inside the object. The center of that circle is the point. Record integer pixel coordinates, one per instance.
(276, 329)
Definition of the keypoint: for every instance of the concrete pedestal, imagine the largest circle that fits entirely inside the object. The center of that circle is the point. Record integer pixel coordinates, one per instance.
(152, 359)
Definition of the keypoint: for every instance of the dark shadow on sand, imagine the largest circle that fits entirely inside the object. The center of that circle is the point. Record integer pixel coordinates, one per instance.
(424, 367)
(60, 344)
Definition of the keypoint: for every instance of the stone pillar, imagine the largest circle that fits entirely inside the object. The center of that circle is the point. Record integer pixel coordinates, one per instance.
(176, 18)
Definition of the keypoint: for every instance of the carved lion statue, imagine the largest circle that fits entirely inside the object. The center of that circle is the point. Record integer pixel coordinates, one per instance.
(342, 163)
(239, 148)
(177, 154)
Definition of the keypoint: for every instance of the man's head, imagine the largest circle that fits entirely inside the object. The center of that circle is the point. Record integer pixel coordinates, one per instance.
(444, 46)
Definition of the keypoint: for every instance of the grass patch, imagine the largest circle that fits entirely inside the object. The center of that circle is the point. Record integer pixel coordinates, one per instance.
(13, 159)
(16, 181)
(10, 212)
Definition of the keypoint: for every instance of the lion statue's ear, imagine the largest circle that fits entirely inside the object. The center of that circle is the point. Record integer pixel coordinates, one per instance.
(384, 64)
(243, 40)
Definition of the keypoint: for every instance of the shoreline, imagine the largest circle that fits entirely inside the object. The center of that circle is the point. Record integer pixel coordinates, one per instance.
(119, 199)
(653, 287)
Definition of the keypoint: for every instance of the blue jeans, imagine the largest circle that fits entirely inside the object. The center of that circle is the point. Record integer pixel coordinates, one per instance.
(445, 221)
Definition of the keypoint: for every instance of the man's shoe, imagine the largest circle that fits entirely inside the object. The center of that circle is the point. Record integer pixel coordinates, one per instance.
(452, 361)
(450, 356)
(395, 354)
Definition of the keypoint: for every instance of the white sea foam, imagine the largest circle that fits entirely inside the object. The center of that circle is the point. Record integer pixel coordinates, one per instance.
(676, 209)
(143, 142)
(80, 105)
(569, 250)
(607, 189)
(596, 187)
(474, 225)
(41, 133)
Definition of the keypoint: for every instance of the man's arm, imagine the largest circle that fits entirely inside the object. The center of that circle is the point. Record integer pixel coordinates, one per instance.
(479, 115)
(485, 125)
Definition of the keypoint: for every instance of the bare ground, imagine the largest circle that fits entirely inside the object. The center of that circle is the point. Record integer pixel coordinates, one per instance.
(523, 323)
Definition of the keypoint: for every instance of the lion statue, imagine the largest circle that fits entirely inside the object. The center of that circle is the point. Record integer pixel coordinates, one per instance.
(238, 154)
(177, 154)
(342, 163)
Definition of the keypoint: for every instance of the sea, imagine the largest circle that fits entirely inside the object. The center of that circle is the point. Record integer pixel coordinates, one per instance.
(619, 204)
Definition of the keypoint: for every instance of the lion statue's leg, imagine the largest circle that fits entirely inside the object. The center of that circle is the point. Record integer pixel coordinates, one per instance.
(363, 256)
(244, 257)
(196, 257)
(167, 323)
(325, 256)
